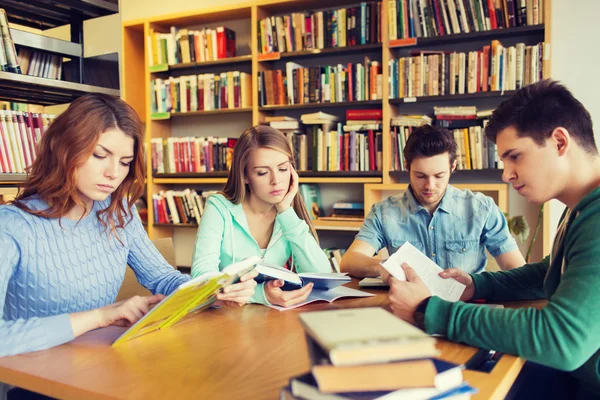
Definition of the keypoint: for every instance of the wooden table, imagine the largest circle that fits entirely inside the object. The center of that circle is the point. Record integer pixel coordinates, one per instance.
(244, 353)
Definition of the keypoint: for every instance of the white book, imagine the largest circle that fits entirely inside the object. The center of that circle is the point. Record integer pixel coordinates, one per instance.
(428, 271)
(326, 295)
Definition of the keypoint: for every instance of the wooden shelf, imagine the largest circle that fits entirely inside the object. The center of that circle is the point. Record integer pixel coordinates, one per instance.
(166, 115)
(200, 65)
(363, 48)
(482, 175)
(322, 105)
(31, 89)
(330, 225)
(175, 225)
(12, 179)
(42, 14)
(453, 97)
(467, 37)
(188, 181)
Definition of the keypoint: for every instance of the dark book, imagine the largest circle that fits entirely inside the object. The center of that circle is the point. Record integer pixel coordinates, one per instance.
(293, 281)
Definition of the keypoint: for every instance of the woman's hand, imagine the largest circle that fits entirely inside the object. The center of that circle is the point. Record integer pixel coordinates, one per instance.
(285, 298)
(238, 294)
(127, 312)
(462, 277)
(288, 199)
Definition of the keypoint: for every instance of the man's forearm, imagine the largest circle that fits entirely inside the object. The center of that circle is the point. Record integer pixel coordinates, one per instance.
(360, 265)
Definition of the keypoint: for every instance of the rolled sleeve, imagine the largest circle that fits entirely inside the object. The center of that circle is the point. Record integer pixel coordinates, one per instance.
(496, 236)
(372, 230)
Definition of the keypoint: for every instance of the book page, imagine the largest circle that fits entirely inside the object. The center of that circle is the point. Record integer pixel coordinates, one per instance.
(447, 289)
(326, 295)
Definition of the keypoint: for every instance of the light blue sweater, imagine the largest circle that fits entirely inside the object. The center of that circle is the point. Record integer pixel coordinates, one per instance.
(224, 238)
(48, 271)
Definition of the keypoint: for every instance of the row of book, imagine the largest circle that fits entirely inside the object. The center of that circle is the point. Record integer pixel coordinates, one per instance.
(331, 149)
(20, 132)
(418, 18)
(189, 45)
(178, 206)
(321, 143)
(191, 154)
(368, 353)
(203, 92)
(40, 64)
(494, 68)
(310, 30)
(474, 150)
(8, 54)
(326, 84)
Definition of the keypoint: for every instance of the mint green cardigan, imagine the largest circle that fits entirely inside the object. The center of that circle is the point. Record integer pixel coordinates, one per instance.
(224, 238)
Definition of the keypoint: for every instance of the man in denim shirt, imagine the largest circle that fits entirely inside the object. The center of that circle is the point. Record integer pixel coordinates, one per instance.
(451, 226)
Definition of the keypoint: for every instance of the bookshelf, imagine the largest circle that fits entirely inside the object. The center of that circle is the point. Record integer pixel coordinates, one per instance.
(372, 186)
(23, 88)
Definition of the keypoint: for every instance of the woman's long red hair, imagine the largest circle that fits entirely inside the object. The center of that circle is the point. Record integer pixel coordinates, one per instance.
(68, 143)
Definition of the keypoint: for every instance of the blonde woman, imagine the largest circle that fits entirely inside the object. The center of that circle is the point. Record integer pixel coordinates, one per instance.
(259, 213)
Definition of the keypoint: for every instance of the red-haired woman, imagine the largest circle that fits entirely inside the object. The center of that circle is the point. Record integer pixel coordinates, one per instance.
(66, 239)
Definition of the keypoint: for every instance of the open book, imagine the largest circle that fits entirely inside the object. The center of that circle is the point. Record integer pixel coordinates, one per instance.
(193, 296)
(447, 289)
(326, 295)
(293, 281)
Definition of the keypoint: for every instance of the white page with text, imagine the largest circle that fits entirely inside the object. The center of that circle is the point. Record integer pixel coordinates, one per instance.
(447, 289)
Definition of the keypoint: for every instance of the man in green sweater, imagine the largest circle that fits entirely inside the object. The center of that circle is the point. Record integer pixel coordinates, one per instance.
(546, 141)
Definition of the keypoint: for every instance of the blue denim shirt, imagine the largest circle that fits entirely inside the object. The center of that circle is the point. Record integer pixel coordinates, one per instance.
(463, 225)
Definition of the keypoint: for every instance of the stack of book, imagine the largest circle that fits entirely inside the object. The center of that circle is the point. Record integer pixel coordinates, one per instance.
(310, 30)
(191, 154)
(348, 209)
(8, 54)
(190, 46)
(203, 92)
(368, 353)
(20, 132)
(409, 19)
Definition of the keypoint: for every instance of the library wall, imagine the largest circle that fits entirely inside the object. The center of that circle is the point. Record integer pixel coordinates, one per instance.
(572, 63)
(575, 60)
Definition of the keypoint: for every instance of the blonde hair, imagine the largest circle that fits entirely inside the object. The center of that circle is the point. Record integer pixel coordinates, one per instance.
(256, 137)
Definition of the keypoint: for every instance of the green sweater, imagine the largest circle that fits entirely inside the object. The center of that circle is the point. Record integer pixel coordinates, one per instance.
(564, 334)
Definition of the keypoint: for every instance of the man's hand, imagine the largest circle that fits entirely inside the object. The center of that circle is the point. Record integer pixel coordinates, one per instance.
(405, 297)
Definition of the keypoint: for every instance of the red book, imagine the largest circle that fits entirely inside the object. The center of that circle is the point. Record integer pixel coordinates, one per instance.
(364, 114)
(371, 138)
(221, 43)
(492, 12)
(486, 66)
(201, 95)
(455, 117)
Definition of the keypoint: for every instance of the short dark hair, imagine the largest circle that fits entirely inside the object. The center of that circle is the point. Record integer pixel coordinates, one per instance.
(537, 109)
(427, 141)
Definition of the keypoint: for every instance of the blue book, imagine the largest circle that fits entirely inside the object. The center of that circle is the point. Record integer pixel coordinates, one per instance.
(305, 387)
(312, 199)
(294, 281)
